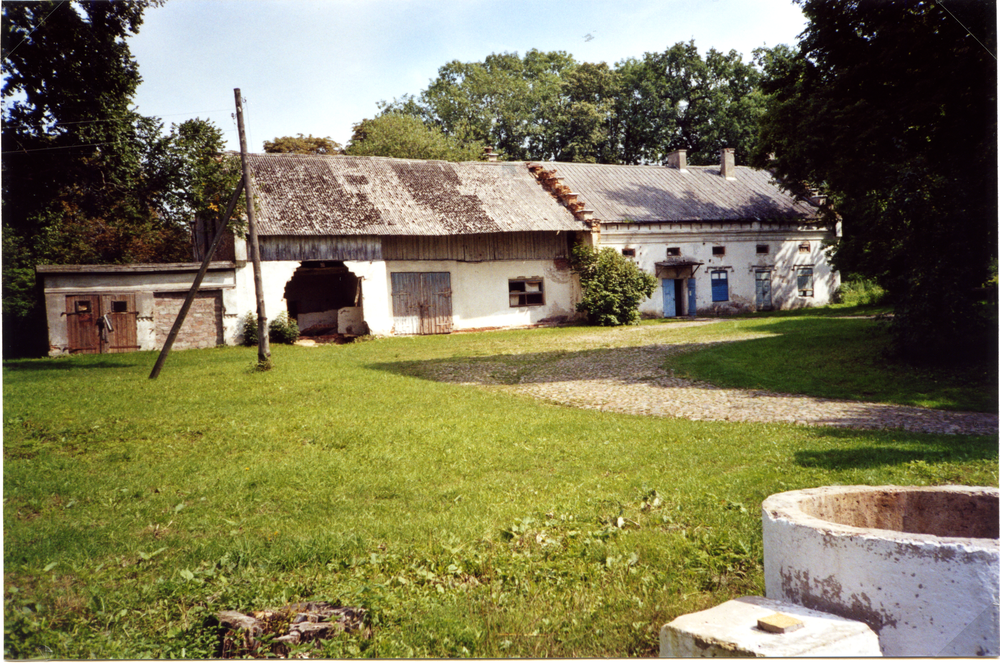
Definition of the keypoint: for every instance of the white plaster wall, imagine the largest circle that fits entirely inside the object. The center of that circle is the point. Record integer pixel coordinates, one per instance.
(741, 261)
(481, 296)
(376, 301)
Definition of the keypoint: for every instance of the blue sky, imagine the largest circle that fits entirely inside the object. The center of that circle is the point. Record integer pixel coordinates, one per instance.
(319, 66)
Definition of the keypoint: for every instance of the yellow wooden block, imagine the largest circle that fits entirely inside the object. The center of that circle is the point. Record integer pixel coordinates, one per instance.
(779, 623)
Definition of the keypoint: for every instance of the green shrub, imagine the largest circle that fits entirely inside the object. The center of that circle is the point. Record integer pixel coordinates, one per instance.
(861, 291)
(250, 329)
(283, 329)
(613, 286)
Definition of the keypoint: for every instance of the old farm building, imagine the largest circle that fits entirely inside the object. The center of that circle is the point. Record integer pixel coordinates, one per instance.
(357, 245)
(720, 239)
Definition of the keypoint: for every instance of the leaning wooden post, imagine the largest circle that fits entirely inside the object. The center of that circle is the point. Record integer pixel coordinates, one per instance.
(186, 306)
(263, 345)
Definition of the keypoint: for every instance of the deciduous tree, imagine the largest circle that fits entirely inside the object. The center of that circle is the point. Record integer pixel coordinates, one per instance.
(407, 137)
(302, 145)
(890, 107)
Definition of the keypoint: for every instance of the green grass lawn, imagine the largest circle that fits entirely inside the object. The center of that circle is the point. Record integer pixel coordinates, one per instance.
(468, 521)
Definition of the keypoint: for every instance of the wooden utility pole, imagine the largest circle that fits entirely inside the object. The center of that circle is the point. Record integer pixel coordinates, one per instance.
(263, 346)
(186, 306)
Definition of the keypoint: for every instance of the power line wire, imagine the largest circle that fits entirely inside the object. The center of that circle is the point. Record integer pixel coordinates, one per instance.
(967, 30)
(40, 24)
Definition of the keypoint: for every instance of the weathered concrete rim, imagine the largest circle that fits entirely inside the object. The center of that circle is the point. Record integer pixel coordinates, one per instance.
(789, 507)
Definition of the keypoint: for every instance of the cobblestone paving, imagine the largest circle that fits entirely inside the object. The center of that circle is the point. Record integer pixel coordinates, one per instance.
(630, 380)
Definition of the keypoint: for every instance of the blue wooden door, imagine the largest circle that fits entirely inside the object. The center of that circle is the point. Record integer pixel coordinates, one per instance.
(692, 300)
(669, 298)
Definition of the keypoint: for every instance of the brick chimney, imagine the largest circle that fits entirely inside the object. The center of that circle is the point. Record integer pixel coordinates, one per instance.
(728, 163)
(488, 154)
(678, 159)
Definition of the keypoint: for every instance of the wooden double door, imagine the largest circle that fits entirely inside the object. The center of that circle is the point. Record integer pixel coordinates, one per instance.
(101, 323)
(421, 302)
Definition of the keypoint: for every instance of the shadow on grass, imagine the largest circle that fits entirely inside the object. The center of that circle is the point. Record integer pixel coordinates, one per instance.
(68, 364)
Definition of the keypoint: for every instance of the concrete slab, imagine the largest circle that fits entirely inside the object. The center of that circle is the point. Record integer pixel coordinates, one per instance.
(731, 629)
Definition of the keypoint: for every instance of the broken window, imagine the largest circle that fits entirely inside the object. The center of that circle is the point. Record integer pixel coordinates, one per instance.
(805, 281)
(720, 286)
(526, 292)
(83, 307)
(673, 251)
(628, 253)
(718, 250)
(763, 248)
(804, 247)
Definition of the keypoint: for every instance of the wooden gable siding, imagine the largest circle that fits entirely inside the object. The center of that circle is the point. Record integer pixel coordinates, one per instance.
(478, 248)
(320, 247)
(465, 248)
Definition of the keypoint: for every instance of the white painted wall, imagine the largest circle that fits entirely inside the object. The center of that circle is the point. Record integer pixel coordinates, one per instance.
(741, 261)
(479, 291)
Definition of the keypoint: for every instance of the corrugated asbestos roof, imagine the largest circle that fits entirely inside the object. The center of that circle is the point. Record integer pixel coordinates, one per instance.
(658, 193)
(342, 195)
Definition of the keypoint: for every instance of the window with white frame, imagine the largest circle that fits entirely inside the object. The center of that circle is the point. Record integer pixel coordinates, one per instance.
(526, 292)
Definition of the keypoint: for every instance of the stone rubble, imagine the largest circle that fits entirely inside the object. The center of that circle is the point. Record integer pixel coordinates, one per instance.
(270, 633)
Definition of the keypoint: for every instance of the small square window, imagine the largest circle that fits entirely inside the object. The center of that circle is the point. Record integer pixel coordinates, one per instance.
(805, 281)
(718, 250)
(83, 307)
(526, 292)
(628, 253)
(805, 247)
(673, 250)
(763, 248)
(119, 306)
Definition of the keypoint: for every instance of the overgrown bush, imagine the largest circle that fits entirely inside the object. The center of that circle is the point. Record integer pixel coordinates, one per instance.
(283, 329)
(613, 286)
(861, 291)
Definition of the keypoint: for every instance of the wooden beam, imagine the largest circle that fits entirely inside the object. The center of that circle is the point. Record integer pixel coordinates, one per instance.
(186, 306)
(263, 344)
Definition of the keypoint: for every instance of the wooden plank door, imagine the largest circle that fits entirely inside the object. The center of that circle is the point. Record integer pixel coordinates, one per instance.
(121, 312)
(436, 315)
(692, 299)
(421, 302)
(82, 313)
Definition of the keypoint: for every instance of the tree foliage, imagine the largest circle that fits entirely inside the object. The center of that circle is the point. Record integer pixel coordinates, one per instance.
(613, 286)
(302, 145)
(890, 107)
(86, 179)
(407, 137)
(546, 106)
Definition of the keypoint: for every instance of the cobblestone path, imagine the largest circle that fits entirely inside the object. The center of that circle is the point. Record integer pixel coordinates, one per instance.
(630, 380)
